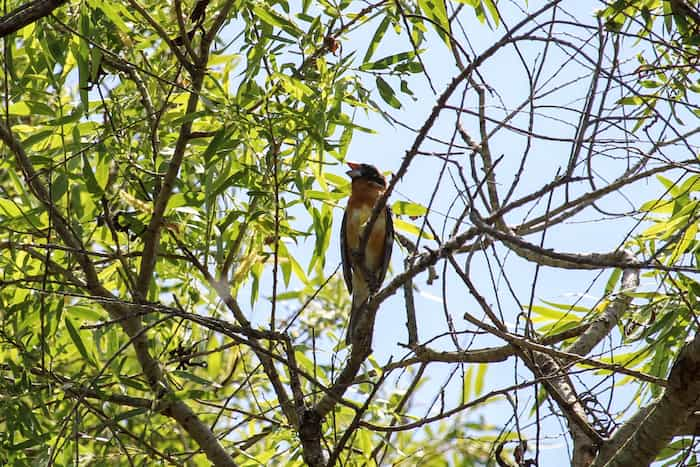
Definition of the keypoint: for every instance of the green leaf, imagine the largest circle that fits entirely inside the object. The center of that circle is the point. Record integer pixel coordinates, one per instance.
(89, 177)
(650, 83)
(9, 209)
(683, 245)
(196, 379)
(376, 39)
(78, 341)
(87, 313)
(19, 109)
(83, 57)
(102, 173)
(36, 138)
(293, 86)
(274, 19)
(630, 100)
(130, 414)
(59, 186)
(668, 15)
(386, 62)
(670, 185)
(690, 185)
(566, 306)
(405, 89)
(108, 8)
(471, 3)
(479, 379)
(409, 209)
(480, 13)
(341, 183)
(435, 10)
(31, 442)
(412, 229)
(491, 6)
(667, 228)
(217, 141)
(190, 117)
(467, 383)
(612, 281)
(324, 195)
(344, 142)
(545, 314)
(387, 93)
(304, 362)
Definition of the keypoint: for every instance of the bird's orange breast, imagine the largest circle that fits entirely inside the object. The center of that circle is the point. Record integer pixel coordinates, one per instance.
(359, 211)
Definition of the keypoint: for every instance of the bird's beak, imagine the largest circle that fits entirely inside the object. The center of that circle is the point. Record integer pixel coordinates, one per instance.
(354, 169)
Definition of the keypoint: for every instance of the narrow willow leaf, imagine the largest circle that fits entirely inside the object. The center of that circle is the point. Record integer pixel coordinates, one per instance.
(479, 378)
(273, 18)
(389, 60)
(409, 209)
(89, 177)
(387, 93)
(630, 100)
(467, 383)
(376, 39)
(78, 341)
(111, 13)
(404, 226)
(612, 281)
(196, 379)
(435, 10)
(9, 209)
(491, 6)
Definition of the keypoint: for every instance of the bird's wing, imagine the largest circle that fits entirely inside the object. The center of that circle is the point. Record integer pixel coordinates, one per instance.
(345, 252)
(388, 244)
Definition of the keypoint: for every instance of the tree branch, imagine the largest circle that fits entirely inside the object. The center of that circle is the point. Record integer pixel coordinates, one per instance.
(602, 325)
(27, 14)
(640, 440)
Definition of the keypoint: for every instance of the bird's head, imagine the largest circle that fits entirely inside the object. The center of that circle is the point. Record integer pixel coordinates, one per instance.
(367, 173)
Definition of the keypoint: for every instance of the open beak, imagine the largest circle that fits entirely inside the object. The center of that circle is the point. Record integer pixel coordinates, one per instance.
(354, 169)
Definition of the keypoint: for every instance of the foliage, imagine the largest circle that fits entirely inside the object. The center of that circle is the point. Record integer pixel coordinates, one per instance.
(169, 189)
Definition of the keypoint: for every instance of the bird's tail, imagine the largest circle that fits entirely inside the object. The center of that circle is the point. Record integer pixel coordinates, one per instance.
(360, 294)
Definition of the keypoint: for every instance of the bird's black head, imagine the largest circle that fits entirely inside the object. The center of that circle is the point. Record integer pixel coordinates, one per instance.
(366, 172)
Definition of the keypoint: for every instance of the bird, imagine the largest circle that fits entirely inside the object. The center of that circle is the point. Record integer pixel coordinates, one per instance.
(368, 185)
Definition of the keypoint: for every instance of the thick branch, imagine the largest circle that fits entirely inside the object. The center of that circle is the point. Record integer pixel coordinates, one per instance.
(560, 388)
(27, 14)
(610, 317)
(361, 349)
(641, 439)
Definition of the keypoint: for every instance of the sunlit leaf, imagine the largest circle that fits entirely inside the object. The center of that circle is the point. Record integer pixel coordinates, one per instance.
(273, 18)
(376, 39)
(386, 62)
(387, 93)
(408, 208)
(412, 229)
(436, 11)
(78, 341)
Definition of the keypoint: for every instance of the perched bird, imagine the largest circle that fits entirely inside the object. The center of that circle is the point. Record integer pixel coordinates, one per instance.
(368, 184)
